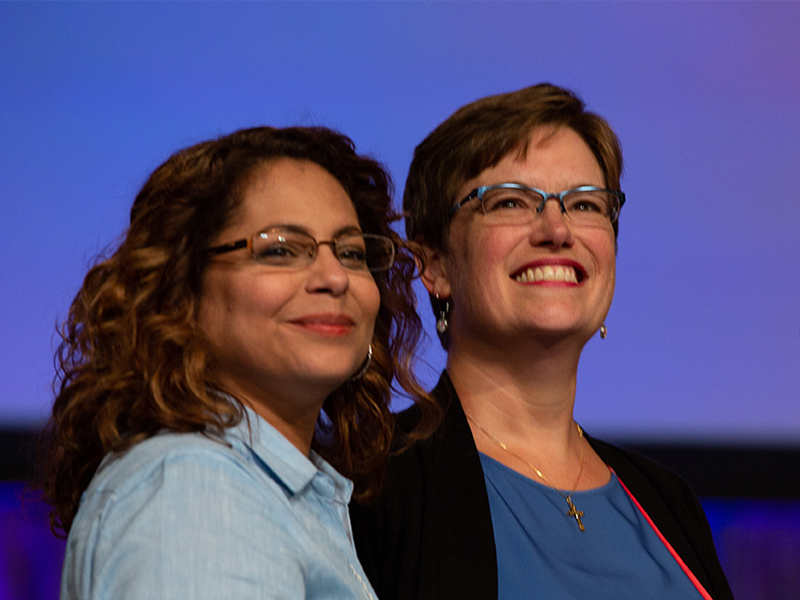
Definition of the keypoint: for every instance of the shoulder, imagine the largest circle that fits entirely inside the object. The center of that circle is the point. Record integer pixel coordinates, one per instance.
(428, 473)
(412, 540)
(453, 423)
(175, 478)
(674, 509)
(162, 513)
(166, 454)
(645, 476)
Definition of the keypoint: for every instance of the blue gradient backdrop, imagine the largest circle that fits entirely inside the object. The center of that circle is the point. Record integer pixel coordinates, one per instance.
(704, 332)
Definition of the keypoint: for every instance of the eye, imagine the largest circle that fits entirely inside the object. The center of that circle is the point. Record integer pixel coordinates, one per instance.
(502, 199)
(279, 251)
(276, 250)
(587, 202)
(352, 254)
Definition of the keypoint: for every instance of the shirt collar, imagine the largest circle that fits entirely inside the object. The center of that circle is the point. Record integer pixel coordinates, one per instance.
(285, 462)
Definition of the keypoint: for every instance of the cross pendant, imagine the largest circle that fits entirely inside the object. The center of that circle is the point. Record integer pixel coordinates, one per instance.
(574, 512)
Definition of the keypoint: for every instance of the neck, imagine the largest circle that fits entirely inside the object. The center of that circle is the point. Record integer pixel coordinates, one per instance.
(524, 397)
(520, 389)
(296, 427)
(293, 412)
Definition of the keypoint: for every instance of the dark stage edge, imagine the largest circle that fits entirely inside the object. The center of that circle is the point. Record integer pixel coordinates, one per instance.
(721, 471)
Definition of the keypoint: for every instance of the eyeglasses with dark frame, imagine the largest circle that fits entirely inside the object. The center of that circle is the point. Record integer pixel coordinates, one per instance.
(295, 250)
(514, 203)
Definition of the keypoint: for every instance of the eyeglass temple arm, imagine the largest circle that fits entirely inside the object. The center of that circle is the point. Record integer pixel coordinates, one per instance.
(228, 247)
(472, 196)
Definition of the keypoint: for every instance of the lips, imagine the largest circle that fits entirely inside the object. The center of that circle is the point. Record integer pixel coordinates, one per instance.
(326, 324)
(548, 272)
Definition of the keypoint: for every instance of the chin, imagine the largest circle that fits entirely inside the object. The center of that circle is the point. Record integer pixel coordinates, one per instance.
(555, 332)
(335, 371)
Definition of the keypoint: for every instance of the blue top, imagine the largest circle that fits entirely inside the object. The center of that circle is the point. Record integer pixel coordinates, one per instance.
(184, 517)
(541, 553)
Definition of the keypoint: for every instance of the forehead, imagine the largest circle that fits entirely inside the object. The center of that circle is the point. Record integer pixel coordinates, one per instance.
(294, 192)
(553, 159)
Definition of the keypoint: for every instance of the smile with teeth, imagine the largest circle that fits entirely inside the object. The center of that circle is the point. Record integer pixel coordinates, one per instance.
(548, 273)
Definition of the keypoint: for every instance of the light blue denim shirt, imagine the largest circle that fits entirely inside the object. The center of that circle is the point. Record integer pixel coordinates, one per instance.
(184, 517)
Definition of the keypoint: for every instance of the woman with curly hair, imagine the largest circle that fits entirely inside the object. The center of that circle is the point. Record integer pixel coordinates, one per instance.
(226, 373)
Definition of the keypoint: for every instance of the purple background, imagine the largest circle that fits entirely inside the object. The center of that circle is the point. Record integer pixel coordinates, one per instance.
(704, 333)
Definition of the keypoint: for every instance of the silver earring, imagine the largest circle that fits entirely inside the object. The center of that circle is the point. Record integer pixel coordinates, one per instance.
(603, 331)
(442, 324)
(364, 369)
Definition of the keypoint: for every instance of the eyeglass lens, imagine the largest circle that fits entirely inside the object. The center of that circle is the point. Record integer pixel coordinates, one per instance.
(295, 250)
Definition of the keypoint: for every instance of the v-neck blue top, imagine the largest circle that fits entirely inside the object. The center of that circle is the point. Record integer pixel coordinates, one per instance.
(541, 552)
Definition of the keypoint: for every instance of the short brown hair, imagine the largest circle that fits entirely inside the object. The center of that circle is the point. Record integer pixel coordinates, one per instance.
(479, 135)
(132, 361)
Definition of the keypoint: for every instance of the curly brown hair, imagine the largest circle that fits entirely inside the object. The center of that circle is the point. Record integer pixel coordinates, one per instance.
(132, 362)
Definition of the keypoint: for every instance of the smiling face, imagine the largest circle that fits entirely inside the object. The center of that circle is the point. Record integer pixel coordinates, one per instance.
(283, 340)
(544, 280)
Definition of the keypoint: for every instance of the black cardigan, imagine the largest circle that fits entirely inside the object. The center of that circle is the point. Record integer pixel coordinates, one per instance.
(429, 535)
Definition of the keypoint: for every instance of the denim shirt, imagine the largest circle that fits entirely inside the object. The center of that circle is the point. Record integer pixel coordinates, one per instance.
(182, 516)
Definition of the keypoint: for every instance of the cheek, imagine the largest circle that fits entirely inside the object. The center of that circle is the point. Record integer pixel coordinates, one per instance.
(229, 302)
(370, 299)
(482, 259)
(608, 253)
(612, 279)
(605, 255)
(213, 311)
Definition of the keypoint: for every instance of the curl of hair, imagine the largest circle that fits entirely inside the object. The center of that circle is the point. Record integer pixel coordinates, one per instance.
(131, 361)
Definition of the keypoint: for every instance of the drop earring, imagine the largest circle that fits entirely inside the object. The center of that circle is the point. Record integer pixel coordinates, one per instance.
(603, 331)
(442, 324)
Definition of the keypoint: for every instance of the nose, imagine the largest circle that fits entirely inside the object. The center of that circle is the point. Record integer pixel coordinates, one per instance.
(326, 274)
(551, 226)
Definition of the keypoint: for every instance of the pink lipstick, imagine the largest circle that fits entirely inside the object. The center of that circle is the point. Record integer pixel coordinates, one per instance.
(326, 324)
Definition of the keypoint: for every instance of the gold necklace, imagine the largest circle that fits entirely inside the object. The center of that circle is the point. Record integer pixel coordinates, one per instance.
(572, 512)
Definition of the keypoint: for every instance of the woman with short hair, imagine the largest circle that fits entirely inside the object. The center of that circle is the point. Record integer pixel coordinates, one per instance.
(516, 199)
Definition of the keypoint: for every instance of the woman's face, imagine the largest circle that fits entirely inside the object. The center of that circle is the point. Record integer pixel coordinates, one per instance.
(482, 266)
(284, 335)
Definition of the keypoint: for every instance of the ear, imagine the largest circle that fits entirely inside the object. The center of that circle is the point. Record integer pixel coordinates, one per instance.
(434, 277)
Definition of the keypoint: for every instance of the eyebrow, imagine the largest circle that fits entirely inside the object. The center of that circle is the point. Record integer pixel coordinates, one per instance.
(300, 229)
(571, 187)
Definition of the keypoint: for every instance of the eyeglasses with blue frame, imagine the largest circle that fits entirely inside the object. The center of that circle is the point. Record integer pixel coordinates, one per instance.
(515, 203)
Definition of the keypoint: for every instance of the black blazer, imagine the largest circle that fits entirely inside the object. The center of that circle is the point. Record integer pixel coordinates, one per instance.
(429, 535)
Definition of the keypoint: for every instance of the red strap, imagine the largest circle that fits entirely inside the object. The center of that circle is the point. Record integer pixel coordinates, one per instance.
(664, 541)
